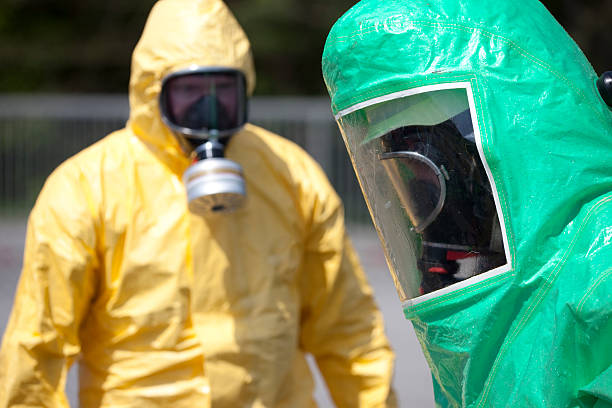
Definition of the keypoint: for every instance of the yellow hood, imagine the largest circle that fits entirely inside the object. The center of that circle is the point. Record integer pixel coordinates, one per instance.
(179, 34)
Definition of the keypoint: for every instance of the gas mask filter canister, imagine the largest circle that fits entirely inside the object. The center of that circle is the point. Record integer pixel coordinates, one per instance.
(214, 183)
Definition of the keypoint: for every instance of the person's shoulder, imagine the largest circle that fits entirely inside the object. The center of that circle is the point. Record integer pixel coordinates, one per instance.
(89, 160)
(86, 167)
(75, 186)
(272, 140)
(288, 160)
(285, 150)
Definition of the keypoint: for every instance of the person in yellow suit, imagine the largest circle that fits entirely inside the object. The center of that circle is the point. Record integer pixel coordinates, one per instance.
(192, 259)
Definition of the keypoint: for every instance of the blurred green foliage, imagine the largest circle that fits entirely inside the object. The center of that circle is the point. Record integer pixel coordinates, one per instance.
(86, 45)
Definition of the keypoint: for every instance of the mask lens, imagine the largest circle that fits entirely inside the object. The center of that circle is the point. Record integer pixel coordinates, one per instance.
(419, 184)
(205, 101)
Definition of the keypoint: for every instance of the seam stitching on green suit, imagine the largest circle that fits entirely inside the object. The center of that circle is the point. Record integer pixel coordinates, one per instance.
(541, 293)
(491, 35)
(460, 292)
(593, 287)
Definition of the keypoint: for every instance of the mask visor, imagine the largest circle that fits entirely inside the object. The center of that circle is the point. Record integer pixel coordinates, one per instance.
(204, 102)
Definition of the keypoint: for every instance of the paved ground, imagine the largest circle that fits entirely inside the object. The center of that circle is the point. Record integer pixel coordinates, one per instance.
(412, 380)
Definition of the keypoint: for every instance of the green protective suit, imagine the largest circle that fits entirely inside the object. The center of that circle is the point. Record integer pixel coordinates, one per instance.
(540, 334)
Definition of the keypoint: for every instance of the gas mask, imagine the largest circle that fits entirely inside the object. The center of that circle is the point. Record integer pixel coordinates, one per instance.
(418, 162)
(204, 107)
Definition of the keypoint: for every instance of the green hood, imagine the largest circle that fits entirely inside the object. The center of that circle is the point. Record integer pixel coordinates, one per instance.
(539, 335)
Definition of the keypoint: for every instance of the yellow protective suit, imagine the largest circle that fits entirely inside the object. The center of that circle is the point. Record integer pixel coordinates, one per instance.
(166, 308)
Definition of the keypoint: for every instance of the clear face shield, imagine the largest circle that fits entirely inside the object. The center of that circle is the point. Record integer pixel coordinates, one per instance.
(418, 163)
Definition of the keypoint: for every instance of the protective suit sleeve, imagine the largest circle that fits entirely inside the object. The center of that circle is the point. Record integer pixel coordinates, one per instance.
(54, 290)
(341, 325)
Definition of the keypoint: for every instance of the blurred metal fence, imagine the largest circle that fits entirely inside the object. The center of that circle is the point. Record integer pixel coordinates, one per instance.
(38, 132)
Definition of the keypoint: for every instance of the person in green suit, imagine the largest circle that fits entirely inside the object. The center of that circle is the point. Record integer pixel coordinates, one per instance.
(481, 140)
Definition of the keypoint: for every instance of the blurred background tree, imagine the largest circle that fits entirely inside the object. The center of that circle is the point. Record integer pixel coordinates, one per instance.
(86, 45)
